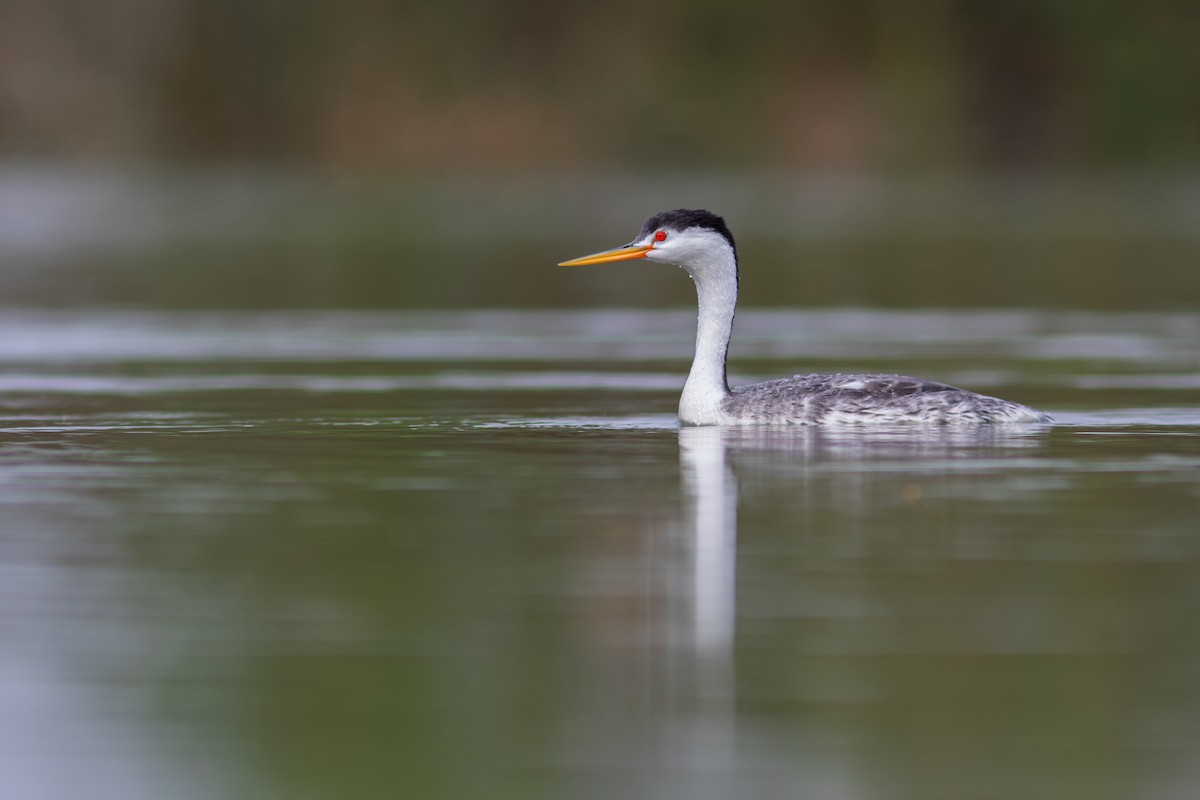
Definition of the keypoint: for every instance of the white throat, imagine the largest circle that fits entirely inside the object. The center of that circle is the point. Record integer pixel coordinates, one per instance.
(715, 276)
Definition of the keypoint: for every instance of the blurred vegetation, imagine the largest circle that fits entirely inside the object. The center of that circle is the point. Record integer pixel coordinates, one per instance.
(263, 153)
(468, 85)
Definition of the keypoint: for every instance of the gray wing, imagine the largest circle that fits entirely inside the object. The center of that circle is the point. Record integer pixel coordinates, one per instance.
(814, 399)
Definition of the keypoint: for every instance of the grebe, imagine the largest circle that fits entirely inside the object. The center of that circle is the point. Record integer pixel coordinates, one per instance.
(700, 242)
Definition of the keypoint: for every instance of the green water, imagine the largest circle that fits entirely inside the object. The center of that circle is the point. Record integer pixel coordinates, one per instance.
(471, 555)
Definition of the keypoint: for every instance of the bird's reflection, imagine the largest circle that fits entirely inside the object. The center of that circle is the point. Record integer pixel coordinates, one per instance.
(711, 496)
(711, 492)
(850, 443)
(801, 460)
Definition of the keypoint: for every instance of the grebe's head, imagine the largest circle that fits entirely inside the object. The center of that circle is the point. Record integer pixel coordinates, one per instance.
(695, 239)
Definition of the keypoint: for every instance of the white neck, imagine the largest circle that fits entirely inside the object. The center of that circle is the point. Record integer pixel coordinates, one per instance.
(716, 294)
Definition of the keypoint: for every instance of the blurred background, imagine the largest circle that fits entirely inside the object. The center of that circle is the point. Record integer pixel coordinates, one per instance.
(319, 480)
(219, 154)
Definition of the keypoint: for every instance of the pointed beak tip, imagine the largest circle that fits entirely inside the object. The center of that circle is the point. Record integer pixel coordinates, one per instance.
(619, 254)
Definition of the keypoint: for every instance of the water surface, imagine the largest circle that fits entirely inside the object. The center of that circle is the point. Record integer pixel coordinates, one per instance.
(470, 554)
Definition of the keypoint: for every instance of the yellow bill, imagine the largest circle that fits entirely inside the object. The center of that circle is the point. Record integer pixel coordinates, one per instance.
(620, 254)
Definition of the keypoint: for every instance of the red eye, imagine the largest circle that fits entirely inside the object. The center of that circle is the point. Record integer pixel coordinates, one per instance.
(660, 236)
